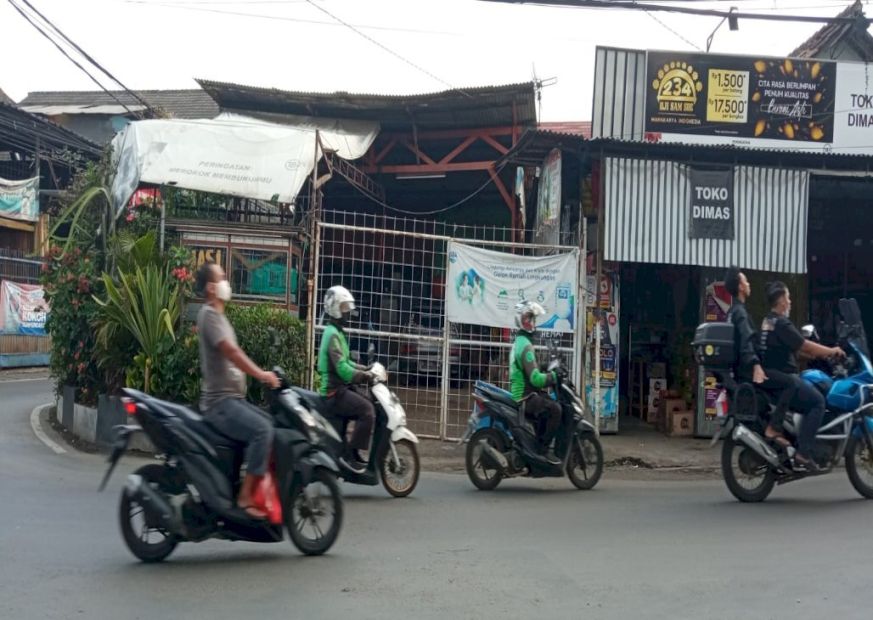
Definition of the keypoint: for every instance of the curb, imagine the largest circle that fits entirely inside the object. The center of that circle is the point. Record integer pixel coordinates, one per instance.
(36, 425)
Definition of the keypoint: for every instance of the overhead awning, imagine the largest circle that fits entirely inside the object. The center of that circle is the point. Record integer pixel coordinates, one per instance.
(647, 217)
(233, 155)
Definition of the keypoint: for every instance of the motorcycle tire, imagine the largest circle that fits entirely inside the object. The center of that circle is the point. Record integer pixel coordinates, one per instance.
(323, 540)
(748, 495)
(408, 454)
(593, 471)
(138, 542)
(855, 450)
(483, 482)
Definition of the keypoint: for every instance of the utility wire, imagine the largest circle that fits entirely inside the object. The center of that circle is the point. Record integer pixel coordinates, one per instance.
(666, 27)
(387, 49)
(87, 57)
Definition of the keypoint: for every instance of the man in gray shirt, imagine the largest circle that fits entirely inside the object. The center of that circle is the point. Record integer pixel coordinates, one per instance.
(223, 367)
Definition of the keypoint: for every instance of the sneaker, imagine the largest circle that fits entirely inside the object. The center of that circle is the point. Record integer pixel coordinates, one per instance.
(805, 464)
(352, 464)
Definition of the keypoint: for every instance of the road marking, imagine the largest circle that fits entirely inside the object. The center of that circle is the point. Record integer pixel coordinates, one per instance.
(40, 434)
(23, 380)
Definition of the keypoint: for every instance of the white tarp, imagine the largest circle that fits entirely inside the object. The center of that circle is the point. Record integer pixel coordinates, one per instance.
(484, 286)
(233, 155)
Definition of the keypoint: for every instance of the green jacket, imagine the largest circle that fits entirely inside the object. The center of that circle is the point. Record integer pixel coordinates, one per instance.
(524, 373)
(334, 365)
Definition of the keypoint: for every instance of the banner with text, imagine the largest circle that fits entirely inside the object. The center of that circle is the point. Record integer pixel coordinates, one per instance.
(484, 286)
(19, 200)
(711, 204)
(22, 309)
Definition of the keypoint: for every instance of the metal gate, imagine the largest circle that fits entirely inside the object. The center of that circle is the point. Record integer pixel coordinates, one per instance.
(396, 269)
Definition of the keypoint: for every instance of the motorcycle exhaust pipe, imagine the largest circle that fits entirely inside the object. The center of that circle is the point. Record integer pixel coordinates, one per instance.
(756, 444)
(157, 510)
(494, 457)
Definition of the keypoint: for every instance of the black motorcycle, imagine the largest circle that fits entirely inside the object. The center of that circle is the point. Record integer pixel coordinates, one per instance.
(191, 495)
(502, 443)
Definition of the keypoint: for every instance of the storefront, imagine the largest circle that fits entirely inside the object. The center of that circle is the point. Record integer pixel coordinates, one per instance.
(684, 190)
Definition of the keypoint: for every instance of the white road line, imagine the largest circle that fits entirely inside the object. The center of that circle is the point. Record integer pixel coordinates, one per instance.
(23, 380)
(40, 434)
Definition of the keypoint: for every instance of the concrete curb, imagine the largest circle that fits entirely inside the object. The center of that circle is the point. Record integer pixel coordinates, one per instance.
(36, 424)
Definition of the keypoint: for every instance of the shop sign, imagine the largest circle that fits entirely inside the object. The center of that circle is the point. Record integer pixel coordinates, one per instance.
(709, 98)
(711, 207)
(853, 125)
(207, 255)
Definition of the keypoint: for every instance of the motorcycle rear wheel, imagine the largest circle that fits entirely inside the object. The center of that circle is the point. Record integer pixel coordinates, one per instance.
(304, 508)
(482, 477)
(859, 466)
(746, 474)
(147, 544)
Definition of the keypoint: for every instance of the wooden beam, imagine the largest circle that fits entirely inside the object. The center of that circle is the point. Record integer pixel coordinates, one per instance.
(507, 197)
(459, 149)
(16, 225)
(417, 151)
(446, 134)
(384, 152)
(431, 168)
(495, 144)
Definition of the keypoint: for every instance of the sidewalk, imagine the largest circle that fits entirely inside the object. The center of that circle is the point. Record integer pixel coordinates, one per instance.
(637, 446)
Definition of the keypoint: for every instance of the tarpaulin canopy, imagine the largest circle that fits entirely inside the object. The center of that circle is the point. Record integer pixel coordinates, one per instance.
(233, 154)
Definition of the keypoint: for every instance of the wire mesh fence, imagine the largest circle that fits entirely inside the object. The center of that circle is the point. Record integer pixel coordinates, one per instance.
(19, 267)
(396, 270)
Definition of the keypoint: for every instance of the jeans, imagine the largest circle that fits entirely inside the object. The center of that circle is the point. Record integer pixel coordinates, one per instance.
(808, 401)
(243, 422)
(786, 386)
(546, 412)
(346, 404)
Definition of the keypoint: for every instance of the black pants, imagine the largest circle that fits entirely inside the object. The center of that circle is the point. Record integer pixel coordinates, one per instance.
(243, 422)
(546, 414)
(808, 401)
(784, 386)
(345, 405)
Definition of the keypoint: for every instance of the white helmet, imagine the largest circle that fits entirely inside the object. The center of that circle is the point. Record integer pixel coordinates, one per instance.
(337, 301)
(526, 313)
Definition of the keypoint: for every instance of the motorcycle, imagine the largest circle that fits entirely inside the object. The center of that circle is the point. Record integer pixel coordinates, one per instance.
(394, 455)
(191, 495)
(501, 442)
(751, 464)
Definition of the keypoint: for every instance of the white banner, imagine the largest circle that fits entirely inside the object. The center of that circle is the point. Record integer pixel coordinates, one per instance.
(19, 200)
(484, 286)
(853, 105)
(232, 155)
(22, 309)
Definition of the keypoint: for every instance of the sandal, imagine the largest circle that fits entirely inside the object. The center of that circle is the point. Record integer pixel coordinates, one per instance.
(253, 512)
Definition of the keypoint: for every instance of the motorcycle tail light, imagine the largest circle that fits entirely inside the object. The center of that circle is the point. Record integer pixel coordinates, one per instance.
(129, 406)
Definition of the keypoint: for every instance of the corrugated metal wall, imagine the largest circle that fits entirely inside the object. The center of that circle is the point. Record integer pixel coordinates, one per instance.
(646, 216)
(619, 94)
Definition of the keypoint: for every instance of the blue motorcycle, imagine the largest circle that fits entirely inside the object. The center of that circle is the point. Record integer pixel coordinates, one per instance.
(502, 442)
(751, 464)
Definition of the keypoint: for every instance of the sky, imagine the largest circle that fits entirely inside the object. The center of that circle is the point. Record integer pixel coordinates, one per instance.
(410, 46)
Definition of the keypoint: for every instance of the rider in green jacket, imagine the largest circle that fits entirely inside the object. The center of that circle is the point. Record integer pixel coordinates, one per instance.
(529, 382)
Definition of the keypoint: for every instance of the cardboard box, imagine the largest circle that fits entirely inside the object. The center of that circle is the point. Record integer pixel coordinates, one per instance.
(652, 414)
(656, 386)
(681, 424)
(657, 370)
(667, 407)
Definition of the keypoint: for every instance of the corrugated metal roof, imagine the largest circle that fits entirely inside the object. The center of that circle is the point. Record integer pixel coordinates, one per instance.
(483, 106)
(572, 128)
(21, 130)
(182, 103)
(55, 110)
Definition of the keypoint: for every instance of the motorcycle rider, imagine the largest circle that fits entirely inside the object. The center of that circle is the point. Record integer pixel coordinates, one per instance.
(781, 342)
(223, 366)
(338, 373)
(528, 381)
(748, 368)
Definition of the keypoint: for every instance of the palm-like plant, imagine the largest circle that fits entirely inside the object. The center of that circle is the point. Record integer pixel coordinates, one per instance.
(145, 305)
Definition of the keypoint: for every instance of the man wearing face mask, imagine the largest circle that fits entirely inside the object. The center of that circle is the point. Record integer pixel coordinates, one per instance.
(223, 366)
(338, 373)
(781, 342)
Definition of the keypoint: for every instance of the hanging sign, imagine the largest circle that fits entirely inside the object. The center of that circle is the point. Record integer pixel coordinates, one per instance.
(711, 204)
(22, 309)
(19, 199)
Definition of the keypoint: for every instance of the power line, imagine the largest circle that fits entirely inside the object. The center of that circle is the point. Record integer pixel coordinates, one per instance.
(387, 49)
(70, 58)
(636, 5)
(87, 57)
(674, 32)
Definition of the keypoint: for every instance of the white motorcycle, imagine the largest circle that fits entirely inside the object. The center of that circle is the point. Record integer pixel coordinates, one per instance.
(394, 453)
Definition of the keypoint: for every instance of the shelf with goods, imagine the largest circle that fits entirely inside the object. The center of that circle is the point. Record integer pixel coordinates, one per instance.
(647, 369)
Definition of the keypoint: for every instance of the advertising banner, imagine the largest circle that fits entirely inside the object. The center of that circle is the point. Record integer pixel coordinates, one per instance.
(22, 309)
(549, 200)
(484, 286)
(19, 200)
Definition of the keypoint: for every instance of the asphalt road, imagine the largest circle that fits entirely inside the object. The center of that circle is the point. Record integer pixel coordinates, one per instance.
(629, 549)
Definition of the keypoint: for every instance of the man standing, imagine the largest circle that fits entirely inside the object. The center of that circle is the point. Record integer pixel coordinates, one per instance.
(223, 383)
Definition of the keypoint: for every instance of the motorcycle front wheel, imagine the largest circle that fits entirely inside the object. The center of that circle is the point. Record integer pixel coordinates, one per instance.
(748, 476)
(314, 513)
(859, 466)
(147, 543)
(585, 465)
(400, 478)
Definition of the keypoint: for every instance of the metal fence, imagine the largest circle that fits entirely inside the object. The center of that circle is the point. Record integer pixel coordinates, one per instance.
(19, 267)
(396, 269)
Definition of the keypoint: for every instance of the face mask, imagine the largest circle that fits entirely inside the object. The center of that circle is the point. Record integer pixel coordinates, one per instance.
(345, 318)
(222, 291)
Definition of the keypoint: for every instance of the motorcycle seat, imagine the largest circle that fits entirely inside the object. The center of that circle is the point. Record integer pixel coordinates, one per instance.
(313, 400)
(495, 393)
(200, 425)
